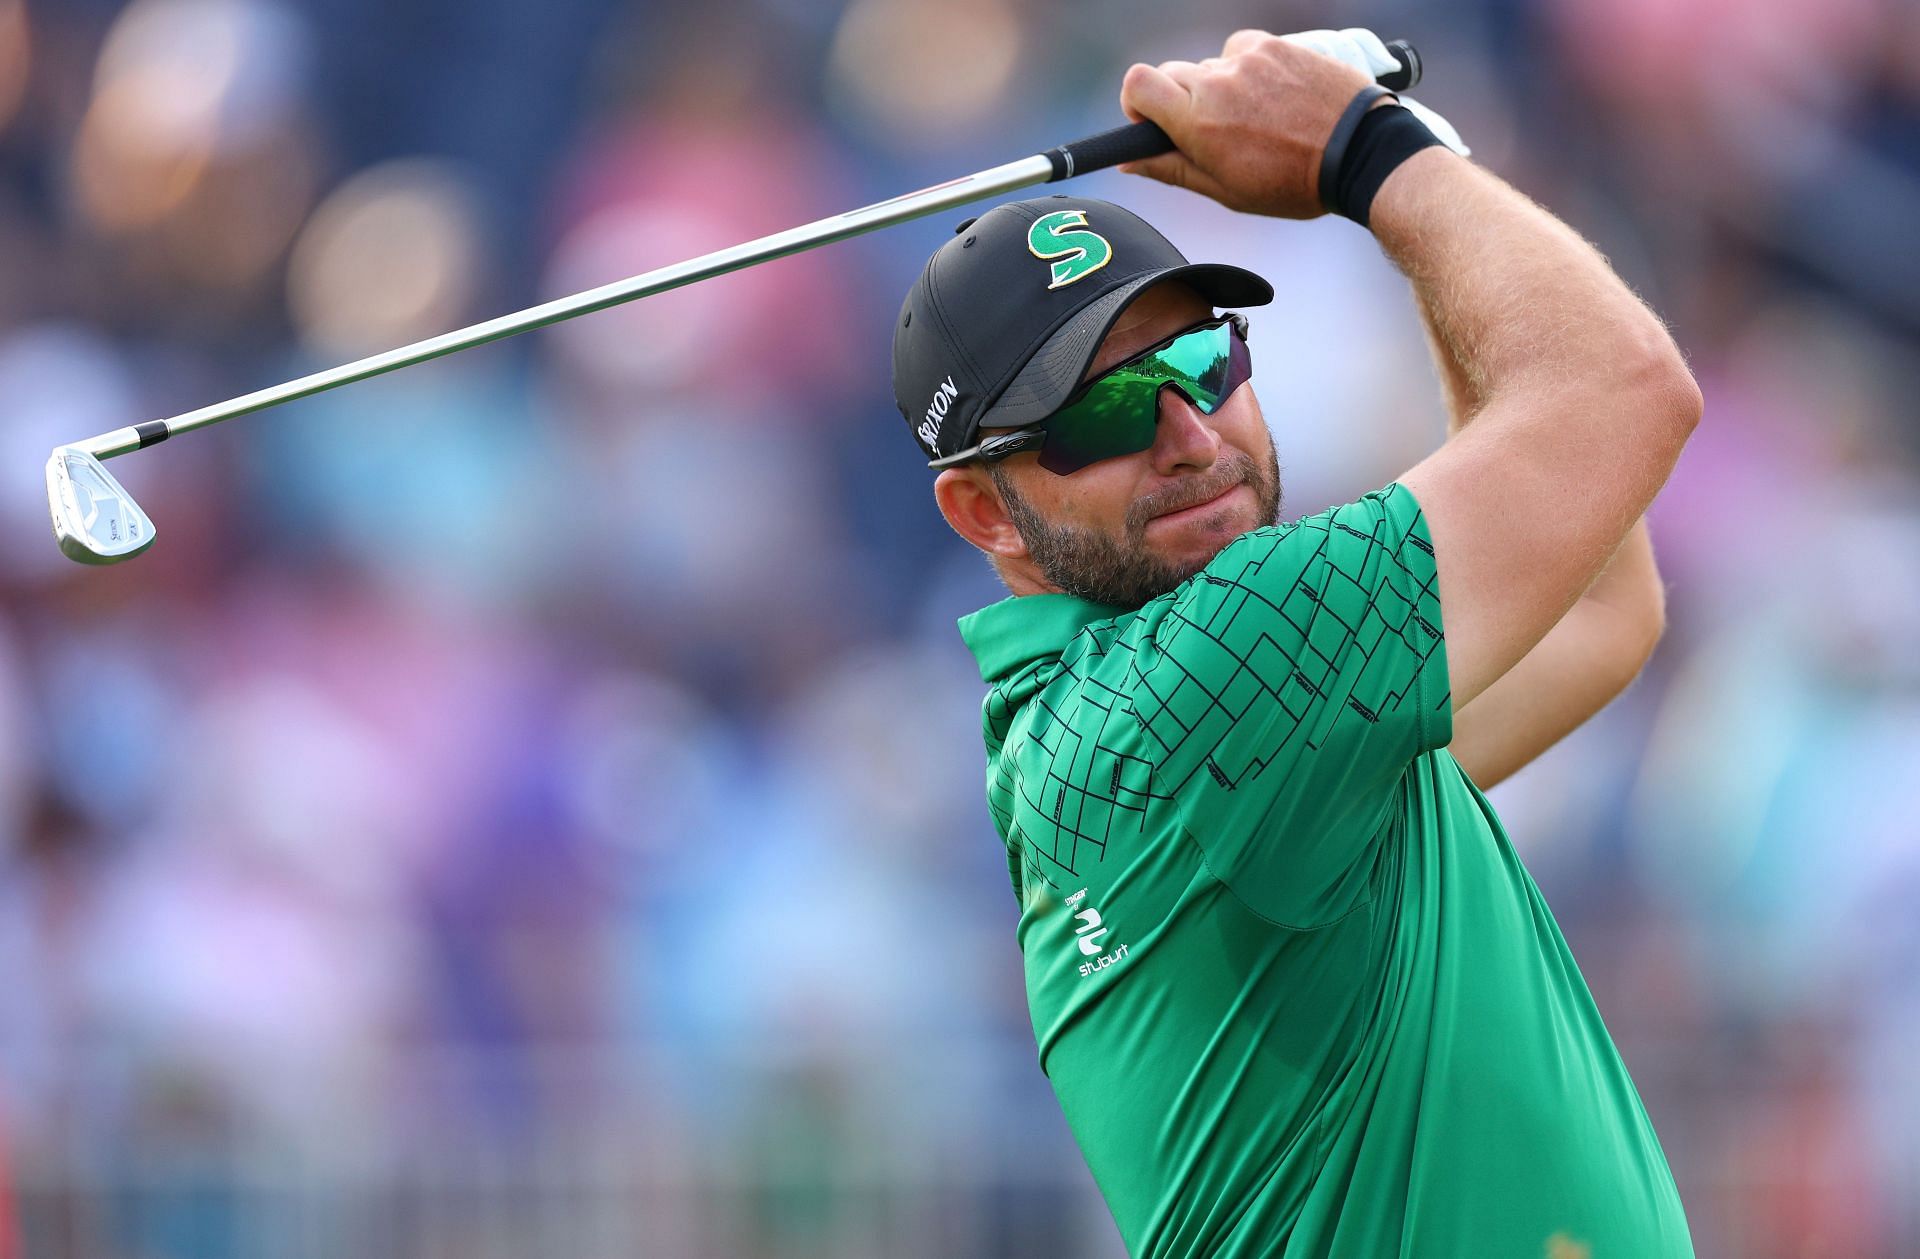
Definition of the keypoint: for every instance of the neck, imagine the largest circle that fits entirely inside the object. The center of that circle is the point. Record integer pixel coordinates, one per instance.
(1022, 578)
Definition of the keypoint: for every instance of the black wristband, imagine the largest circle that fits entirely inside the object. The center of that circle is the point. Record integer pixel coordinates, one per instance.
(1381, 140)
(1334, 155)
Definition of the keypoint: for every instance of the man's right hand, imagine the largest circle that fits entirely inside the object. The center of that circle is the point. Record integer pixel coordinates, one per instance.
(1248, 125)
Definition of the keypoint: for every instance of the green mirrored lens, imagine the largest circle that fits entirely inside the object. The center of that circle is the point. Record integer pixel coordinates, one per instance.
(1118, 413)
(1116, 417)
(1197, 362)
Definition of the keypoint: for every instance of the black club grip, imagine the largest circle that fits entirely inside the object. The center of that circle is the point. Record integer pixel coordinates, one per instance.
(1110, 148)
(1145, 139)
(1407, 77)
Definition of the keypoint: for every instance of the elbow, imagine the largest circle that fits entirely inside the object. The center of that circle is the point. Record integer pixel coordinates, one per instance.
(1680, 398)
(1670, 396)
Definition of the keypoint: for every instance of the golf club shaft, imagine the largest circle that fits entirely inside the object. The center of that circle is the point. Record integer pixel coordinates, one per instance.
(986, 183)
(1109, 148)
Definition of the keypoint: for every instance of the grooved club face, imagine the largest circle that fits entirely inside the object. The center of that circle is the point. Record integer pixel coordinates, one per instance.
(94, 520)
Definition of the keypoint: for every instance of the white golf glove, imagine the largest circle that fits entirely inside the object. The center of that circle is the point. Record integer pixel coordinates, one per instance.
(1363, 50)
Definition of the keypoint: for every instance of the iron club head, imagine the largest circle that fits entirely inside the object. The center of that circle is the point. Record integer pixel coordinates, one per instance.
(94, 519)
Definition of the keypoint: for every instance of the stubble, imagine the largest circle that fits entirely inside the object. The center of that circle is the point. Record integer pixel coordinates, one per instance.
(1123, 572)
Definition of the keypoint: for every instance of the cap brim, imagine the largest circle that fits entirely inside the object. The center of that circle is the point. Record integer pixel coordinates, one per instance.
(1053, 372)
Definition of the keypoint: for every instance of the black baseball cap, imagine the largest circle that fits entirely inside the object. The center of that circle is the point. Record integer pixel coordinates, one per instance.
(1007, 316)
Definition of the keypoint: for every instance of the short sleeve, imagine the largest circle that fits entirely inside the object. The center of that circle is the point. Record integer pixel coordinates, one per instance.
(1285, 689)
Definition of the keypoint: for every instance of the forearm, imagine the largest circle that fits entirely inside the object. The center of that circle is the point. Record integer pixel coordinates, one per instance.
(1630, 582)
(1517, 300)
(1564, 369)
(1461, 398)
(1578, 404)
(1590, 655)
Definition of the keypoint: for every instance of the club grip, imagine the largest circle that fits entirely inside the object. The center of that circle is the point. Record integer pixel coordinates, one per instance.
(1407, 77)
(1109, 148)
(1145, 139)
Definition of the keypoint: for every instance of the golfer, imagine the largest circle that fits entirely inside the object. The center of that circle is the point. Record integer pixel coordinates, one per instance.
(1291, 984)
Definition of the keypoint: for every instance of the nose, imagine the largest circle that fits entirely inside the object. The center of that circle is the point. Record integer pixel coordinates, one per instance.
(1184, 438)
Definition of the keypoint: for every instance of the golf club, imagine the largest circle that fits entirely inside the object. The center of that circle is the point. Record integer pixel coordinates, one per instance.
(96, 521)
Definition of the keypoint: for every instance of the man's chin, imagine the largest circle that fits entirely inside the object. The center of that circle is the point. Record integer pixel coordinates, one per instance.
(1202, 531)
(1175, 565)
(1182, 566)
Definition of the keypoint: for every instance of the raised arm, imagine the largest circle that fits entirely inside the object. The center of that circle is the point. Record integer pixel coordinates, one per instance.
(1585, 660)
(1587, 404)
(1586, 401)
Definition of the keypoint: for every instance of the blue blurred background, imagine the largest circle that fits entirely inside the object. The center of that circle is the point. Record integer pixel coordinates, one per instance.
(485, 825)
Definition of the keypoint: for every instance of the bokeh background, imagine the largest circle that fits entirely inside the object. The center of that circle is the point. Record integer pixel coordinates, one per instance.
(532, 804)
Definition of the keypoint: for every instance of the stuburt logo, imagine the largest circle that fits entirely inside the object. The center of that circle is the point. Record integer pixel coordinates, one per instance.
(1088, 932)
(1064, 239)
(943, 399)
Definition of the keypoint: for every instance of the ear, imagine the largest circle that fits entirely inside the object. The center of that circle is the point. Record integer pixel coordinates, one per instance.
(971, 502)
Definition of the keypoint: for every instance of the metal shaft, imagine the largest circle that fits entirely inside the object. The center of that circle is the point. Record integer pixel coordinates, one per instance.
(913, 205)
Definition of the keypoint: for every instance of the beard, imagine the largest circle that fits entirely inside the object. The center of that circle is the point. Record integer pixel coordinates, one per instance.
(1123, 572)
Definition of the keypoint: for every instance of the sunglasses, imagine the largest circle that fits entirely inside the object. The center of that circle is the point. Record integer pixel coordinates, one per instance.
(1117, 411)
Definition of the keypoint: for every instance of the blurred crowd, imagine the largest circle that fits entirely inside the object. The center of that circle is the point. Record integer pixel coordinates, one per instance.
(532, 803)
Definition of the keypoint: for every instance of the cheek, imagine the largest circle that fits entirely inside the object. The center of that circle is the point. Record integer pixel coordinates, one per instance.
(1097, 497)
(1243, 424)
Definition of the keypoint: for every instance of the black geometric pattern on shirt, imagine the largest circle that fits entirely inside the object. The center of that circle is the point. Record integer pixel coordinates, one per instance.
(1130, 749)
(1186, 722)
(1079, 784)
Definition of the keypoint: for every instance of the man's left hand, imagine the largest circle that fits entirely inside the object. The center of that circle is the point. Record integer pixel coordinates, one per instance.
(1363, 50)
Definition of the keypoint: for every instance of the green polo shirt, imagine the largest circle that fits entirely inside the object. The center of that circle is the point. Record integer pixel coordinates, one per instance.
(1292, 986)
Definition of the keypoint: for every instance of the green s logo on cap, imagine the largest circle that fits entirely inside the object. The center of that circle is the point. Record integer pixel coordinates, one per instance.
(1064, 239)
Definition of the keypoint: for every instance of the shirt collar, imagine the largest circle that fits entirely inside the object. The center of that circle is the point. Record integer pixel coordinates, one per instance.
(1006, 636)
